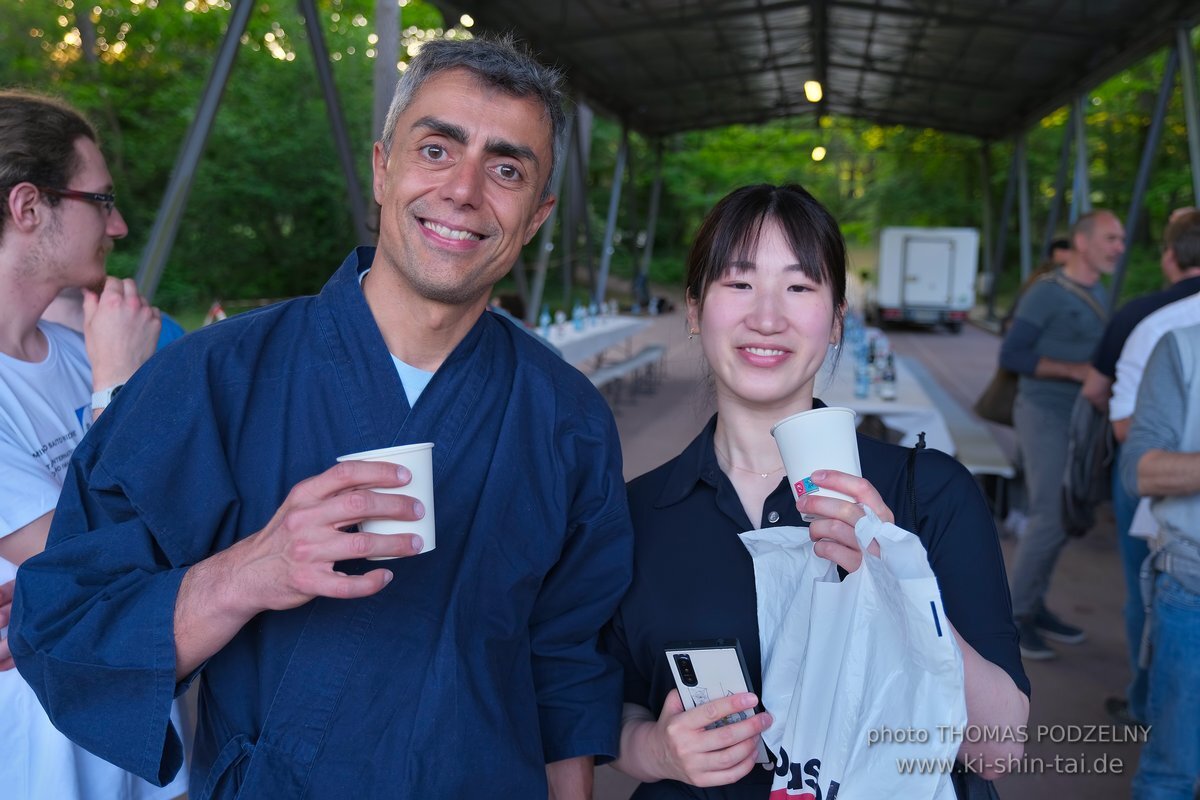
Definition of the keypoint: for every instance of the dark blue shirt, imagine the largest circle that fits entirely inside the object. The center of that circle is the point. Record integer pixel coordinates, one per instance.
(1129, 315)
(1053, 320)
(472, 669)
(693, 578)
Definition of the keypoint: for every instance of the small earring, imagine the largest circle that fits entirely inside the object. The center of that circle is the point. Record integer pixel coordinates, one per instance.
(692, 333)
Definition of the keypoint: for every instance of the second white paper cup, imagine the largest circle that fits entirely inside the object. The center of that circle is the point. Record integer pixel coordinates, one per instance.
(823, 438)
(419, 460)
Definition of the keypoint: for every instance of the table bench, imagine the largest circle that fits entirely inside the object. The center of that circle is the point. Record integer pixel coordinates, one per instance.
(976, 448)
(643, 369)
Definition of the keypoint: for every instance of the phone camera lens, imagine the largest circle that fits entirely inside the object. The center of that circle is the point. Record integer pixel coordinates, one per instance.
(687, 674)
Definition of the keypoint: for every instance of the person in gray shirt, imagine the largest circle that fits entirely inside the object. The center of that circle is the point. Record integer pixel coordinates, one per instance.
(1057, 325)
(1162, 461)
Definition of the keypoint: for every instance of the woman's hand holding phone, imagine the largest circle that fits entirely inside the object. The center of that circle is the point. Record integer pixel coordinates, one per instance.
(687, 750)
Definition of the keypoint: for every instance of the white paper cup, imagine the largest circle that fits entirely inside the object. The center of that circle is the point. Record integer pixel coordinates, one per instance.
(823, 438)
(419, 460)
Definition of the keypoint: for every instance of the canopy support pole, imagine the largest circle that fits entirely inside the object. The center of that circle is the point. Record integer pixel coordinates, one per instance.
(1149, 150)
(1081, 200)
(1187, 71)
(579, 199)
(985, 178)
(385, 74)
(641, 286)
(1010, 188)
(610, 226)
(387, 55)
(337, 122)
(546, 244)
(170, 211)
(1022, 157)
(1060, 182)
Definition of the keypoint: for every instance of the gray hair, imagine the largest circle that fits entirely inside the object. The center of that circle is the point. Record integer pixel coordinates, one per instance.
(500, 63)
(1087, 223)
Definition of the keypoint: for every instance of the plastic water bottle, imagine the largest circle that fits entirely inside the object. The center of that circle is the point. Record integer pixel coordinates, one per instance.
(577, 314)
(887, 380)
(544, 322)
(862, 380)
(862, 371)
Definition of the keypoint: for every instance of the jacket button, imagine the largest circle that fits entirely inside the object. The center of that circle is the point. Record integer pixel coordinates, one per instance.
(773, 517)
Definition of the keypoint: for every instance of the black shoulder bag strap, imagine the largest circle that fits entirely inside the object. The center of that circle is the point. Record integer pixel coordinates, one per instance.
(1076, 290)
(911, 492)
(967, 785)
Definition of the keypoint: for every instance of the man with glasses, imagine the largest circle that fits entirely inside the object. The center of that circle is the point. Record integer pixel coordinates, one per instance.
(58, 221)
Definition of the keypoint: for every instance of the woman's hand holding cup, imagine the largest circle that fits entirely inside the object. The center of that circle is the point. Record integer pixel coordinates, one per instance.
(834, 519)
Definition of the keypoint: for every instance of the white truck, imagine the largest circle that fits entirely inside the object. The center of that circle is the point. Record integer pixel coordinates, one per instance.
(926, 275)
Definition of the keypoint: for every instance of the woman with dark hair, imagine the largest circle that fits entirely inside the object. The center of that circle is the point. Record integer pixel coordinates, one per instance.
(766, 283)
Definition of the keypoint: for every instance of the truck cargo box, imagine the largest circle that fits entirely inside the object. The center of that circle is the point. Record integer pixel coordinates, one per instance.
(926, 275)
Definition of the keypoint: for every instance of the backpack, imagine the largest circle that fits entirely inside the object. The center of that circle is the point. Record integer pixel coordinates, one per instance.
(1087, 481)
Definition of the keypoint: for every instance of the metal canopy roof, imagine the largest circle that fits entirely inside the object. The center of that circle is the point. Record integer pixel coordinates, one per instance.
(986, 68)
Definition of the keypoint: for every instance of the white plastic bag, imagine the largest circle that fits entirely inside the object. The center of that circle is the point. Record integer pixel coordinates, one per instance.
(862, 674)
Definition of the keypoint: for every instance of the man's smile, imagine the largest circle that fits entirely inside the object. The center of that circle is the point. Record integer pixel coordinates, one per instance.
(446, 232)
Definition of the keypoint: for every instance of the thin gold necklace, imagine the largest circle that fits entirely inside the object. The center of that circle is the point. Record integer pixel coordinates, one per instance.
(759, 473)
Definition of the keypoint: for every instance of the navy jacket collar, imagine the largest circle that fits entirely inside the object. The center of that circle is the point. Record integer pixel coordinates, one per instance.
(362, 359)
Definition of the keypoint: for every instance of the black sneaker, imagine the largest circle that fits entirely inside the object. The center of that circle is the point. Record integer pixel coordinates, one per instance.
(1056, 630)
(1033, 646)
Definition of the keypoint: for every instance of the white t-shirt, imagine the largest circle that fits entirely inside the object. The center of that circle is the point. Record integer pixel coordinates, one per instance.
(412, 379)
(45, 409)
(1140, 345)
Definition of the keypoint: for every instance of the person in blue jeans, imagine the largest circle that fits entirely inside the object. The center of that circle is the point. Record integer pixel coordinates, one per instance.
(1162, 461)
(1180, 262)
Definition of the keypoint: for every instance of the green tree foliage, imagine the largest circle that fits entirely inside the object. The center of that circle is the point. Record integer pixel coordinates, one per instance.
(268, 214)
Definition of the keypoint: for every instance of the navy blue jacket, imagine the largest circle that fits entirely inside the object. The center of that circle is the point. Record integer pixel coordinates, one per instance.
(473, 668)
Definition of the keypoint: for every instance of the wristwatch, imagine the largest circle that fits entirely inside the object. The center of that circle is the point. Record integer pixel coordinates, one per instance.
(102, 398)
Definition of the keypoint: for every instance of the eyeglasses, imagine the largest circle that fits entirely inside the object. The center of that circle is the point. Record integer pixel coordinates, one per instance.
(108, 201)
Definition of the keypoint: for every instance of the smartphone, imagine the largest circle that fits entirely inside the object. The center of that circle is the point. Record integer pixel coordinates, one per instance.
(709, 669)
